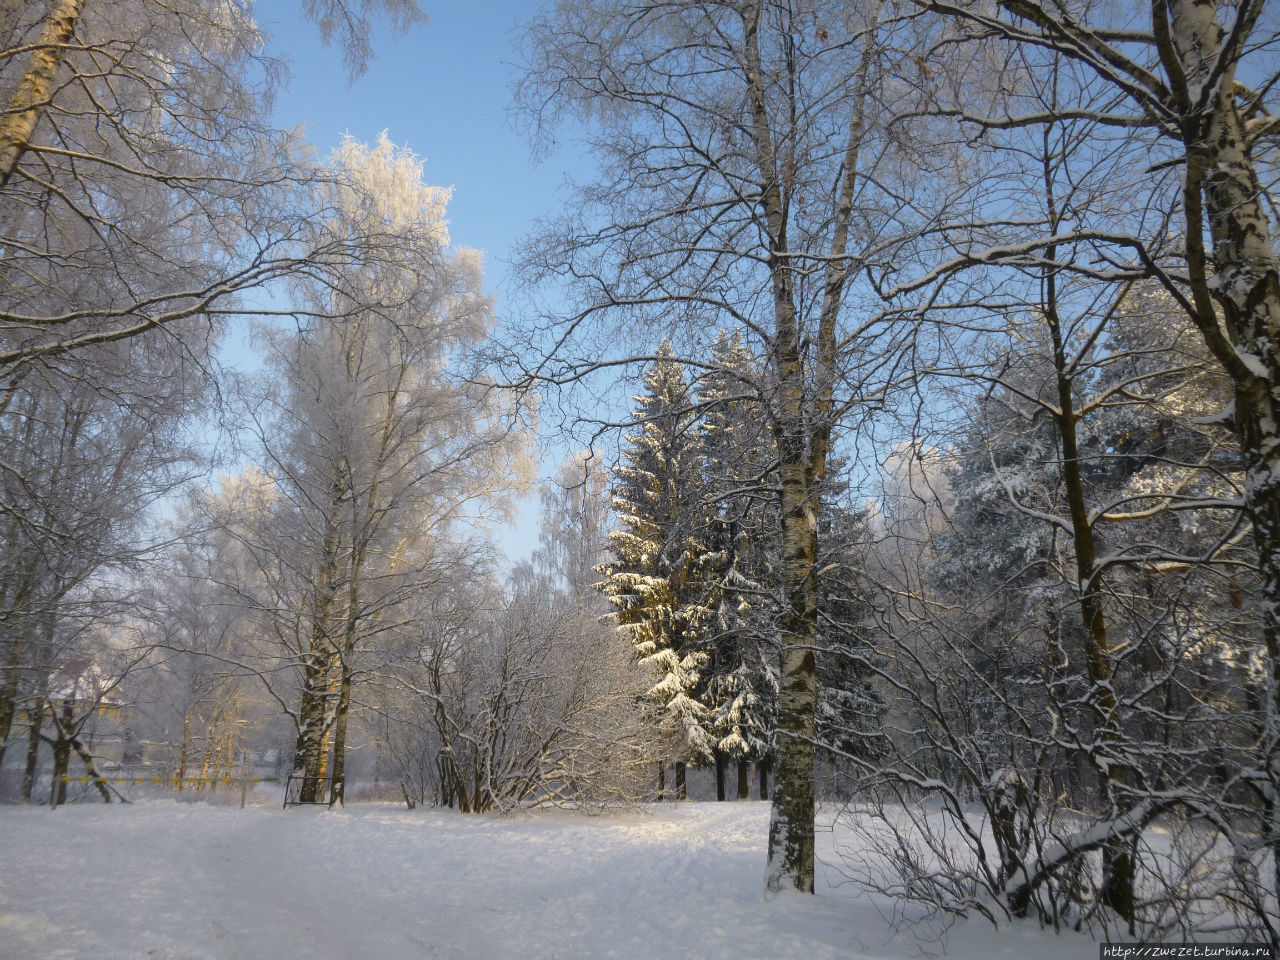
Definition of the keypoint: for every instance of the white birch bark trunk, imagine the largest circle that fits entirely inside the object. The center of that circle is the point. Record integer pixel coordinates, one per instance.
(1222, 191)
(791, 835)
(28, 103)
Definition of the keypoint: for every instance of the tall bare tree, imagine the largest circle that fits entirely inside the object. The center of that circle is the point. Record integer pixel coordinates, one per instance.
(743, 155)
(375, 446)
(88, 450)
(1185, 89)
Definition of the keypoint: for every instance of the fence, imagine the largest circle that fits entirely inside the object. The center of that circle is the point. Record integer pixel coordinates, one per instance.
(244, 782)
(295, 787)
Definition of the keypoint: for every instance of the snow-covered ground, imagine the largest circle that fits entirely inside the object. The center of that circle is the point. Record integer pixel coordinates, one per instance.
(191, 881)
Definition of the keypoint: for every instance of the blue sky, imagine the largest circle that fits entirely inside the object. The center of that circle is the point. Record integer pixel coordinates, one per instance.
(443, 89)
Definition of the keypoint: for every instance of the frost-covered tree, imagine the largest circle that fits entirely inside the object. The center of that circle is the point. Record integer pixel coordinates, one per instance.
(497, 698)
(743, 151)
(1061, 718)
(88, 452)
(201, 618)
(136, 149)
(374, 445)
(574, 534)
(524, 700)
(1177, 100)
(142, 187)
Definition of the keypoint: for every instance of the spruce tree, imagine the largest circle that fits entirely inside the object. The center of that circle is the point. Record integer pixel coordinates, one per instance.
(740, 490)
(657, 578)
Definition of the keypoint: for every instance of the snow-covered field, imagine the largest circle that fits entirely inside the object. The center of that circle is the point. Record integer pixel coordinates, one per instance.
(190, 881)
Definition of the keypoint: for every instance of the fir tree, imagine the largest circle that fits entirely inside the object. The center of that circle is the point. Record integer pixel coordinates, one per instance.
(657, 580)
(849, 711)
(740, 490)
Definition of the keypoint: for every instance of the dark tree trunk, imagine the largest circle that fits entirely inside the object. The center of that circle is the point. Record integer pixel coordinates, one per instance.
(1010, 800)
(61, 761)
(722, 764)
(682, 792)
(9, 697)
(35, 719)
(662, 781)
(744, 781)
(61, 756)
(1117, 856)
(444, 765)
(763, 766)
(337, 794)
(89, 768)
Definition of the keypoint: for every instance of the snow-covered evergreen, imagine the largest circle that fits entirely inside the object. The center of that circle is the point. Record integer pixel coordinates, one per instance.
(741, 500)
(658, 578)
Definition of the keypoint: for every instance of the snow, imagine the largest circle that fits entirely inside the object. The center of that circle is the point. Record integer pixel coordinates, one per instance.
(1255, 364)
(178, 881)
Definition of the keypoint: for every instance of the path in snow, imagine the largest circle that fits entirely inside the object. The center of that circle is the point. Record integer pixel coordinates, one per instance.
(193, 882)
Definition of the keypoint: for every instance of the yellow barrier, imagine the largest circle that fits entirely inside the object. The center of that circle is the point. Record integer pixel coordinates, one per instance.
(165, 779)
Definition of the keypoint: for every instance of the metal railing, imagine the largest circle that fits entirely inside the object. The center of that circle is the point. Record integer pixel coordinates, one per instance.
(295, 786)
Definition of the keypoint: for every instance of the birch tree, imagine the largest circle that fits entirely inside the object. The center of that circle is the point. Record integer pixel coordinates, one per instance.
(574, 529)
(142, 191)
(136, 145)
(1177, 98)
(200, 617)
(374, 447)
(87, 452)
(741, 146)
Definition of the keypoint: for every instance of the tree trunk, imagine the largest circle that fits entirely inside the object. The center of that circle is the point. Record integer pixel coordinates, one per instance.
(722, 764)
(662, 781)
(61, 755)
(313, 714)
(1010, 800)
(322, 775)
(35, 721)
(744, 781)
(184, 751)
(791, 834)
(89, 768)
(355, 563)
(1221, 185)
(763, 766)
(337, 792)
(444, 766)
(802, 425)
(682, 792)
(29, 101)
(206, 761)
(9, 696)
(1117, 857)
(61, 761)
(311, 717)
